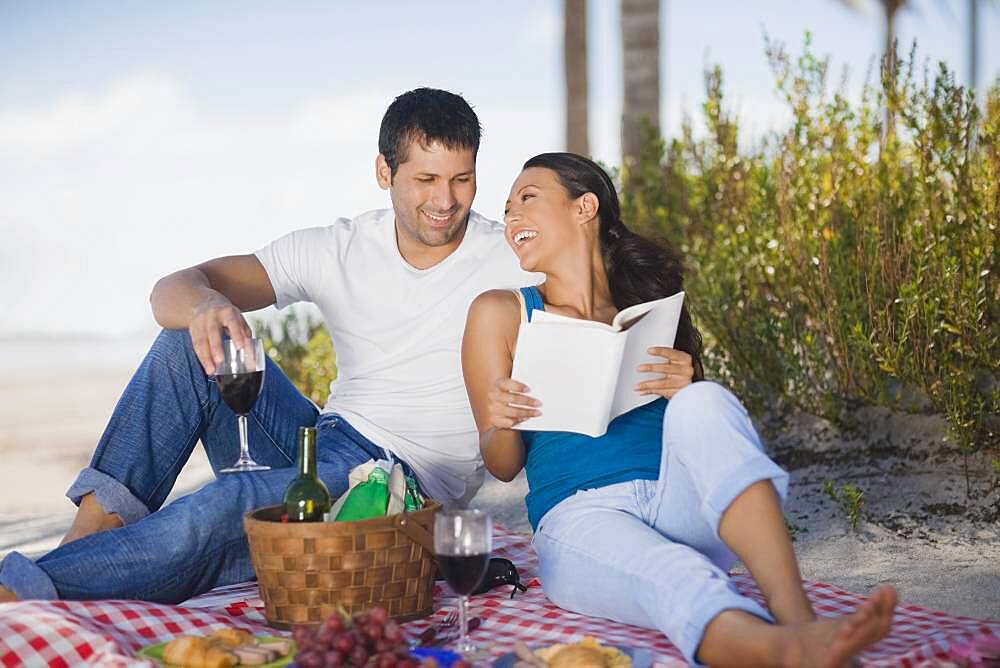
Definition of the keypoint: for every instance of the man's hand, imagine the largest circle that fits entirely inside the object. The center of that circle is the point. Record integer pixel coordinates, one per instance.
(208, 299)
(211, 317)
(677, 370)
(505, 398)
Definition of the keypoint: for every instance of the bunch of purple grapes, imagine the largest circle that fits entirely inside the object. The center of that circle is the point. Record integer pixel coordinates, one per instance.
(371, 639)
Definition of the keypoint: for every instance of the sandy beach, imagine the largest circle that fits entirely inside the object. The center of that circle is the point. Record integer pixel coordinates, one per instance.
(919, 530)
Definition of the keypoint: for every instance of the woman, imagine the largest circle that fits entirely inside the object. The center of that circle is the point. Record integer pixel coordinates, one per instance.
(642, 524)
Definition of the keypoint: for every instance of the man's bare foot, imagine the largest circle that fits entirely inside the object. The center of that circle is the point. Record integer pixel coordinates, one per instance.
(7, 596)
(90, 518)
(831, 642)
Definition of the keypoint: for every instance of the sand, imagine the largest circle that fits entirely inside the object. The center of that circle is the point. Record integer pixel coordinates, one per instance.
(49, 427)
(919, 530)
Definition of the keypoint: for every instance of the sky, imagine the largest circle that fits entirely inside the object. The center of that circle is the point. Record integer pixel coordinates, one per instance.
(137, 138)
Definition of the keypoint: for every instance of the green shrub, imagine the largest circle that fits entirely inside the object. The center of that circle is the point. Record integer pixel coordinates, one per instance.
(848, 498)
(836, 263)
(301, 346)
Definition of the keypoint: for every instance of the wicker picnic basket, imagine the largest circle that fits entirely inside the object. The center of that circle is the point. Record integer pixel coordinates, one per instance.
(308, 570)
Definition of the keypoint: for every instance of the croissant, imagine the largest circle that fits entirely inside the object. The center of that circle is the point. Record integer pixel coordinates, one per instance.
(194, 652)
(577, 656)
(231, 637)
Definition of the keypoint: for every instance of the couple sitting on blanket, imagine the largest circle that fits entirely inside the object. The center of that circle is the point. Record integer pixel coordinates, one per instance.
(639, 525)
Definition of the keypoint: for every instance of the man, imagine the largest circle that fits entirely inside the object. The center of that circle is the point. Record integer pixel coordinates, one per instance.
(394, 287)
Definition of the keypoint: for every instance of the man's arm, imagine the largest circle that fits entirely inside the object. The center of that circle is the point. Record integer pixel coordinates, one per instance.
(211, 297)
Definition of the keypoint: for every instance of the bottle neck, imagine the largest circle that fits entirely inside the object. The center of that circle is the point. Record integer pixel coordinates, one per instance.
(307, 453)
(307, 459)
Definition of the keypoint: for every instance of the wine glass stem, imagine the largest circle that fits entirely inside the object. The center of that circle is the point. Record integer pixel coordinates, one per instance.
(463, 626)
(244, 442)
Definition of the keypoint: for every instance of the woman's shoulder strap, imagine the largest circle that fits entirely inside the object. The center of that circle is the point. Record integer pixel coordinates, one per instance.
(531, 299)
(524, 308)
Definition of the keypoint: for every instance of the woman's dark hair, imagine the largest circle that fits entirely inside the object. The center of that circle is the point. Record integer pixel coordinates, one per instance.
(427, 115)
(639, 269)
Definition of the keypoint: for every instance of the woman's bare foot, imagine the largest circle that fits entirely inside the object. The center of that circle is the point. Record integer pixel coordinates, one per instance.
(7, 596)
(90, 518)
(831, 642)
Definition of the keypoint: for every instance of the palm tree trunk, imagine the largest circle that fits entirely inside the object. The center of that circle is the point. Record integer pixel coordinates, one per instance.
(575, 57)
(890, 7)
(640, 26)
(974, 45)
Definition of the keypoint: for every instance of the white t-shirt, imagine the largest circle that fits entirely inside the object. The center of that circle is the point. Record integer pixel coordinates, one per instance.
(397, 331)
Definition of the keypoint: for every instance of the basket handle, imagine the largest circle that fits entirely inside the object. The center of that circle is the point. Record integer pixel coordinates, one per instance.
(416, 532)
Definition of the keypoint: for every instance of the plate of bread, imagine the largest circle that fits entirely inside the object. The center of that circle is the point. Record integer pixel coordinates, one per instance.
(224, 648)
(588, 653)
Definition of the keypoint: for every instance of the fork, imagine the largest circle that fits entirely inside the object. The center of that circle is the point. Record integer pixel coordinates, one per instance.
(450, 620)
(453, 633)
(431, 632)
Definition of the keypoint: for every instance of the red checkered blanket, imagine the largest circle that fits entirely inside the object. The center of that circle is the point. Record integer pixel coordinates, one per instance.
(70, 633)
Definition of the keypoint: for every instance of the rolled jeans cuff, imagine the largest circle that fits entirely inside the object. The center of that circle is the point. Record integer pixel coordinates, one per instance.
(757, 469)
(26, 579)
(709, 609)
(113, 496)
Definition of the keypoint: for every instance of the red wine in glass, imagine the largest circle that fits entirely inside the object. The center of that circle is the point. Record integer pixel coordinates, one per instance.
(239, 378)
(463, 540)
(240, 390)
(464, 573)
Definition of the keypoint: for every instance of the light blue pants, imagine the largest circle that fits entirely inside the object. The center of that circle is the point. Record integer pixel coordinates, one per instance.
(648, 552)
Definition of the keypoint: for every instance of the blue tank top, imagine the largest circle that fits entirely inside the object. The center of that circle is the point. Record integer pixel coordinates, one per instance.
(560, 463)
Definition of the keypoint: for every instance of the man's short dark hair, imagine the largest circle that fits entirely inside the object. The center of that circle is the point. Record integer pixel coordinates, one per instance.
(427, 115)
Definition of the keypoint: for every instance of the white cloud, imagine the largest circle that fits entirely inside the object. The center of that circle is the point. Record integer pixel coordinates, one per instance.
(546, 27)
(105, 193)
(78, 120)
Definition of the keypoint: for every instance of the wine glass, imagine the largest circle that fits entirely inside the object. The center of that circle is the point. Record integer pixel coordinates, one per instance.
(240, 377)
(463, 540)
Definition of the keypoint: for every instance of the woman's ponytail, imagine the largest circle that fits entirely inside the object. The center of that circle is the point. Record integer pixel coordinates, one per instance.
(641, 270)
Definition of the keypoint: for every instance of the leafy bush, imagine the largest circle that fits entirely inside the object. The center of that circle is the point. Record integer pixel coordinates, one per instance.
(839, 262)
(301, 346)
(850, 500)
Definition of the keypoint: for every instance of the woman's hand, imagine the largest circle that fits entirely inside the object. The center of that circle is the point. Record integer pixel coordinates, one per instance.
(504, 404)
(677, 370)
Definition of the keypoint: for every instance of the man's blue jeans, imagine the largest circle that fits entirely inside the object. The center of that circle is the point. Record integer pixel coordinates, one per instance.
(195, 543)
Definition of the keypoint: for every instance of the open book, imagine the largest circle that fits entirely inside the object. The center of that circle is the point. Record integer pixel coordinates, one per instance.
(585, 372)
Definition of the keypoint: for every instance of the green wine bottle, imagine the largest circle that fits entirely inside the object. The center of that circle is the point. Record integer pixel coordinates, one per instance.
(307, 499)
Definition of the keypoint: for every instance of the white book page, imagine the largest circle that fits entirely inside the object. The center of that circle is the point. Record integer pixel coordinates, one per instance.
(657, 328)
(626, 317)
(571, 369)
(556, 319)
